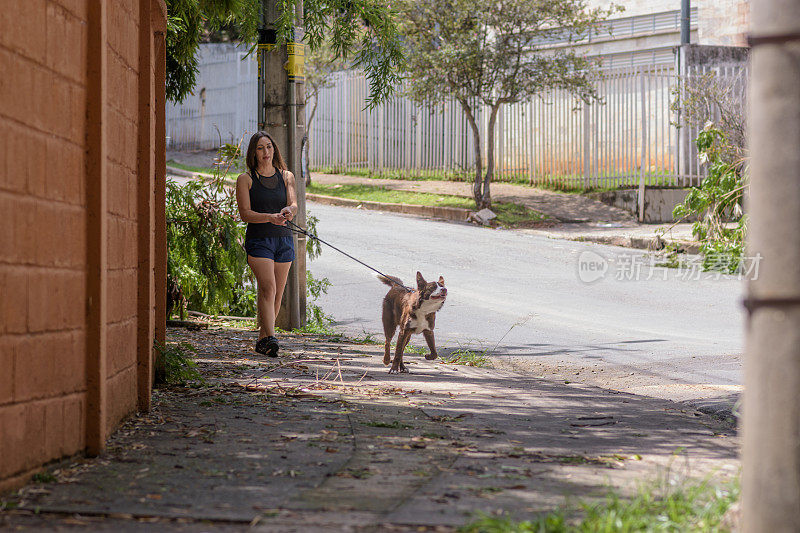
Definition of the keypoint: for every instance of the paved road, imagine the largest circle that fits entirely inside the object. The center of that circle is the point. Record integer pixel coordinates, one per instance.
(664, 336)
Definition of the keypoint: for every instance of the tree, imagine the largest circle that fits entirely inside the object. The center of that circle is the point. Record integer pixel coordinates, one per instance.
(363, 29)
(320, 65)
(494, 52)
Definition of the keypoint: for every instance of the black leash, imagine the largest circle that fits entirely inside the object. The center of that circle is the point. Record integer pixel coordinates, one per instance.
(297, 229)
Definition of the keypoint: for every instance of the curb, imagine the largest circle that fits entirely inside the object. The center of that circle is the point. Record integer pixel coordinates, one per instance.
(446, 213)
(640, 243)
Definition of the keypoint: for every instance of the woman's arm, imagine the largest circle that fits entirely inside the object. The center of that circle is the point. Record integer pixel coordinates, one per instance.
(291, 196)
(243, 183)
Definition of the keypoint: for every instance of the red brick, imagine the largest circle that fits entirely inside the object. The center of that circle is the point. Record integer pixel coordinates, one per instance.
(34, 367)
(117, 189)
(66, 43)
(7, 351)
(16, 92)
(54, 426)
(12, 454)
(77, 7)
(56, 300)
(18, 239)
(122, 293)
(75, 420)
(71, 370)
(33, 165)
(22, 438)
(65, 180)
(14, 304)
(56, 105)
(77, 119)
(33, 435)
(63, 227)
(21, 27)
(122, 246)
(121, 397)
(121, 346)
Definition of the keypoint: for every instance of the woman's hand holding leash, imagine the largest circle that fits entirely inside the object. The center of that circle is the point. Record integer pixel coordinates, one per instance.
(278, 219)
(287, 213)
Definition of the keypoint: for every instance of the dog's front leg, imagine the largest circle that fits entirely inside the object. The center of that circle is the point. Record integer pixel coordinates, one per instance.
(402, 339)
(428, 334)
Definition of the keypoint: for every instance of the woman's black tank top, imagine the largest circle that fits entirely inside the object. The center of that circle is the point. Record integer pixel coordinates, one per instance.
(267, 195)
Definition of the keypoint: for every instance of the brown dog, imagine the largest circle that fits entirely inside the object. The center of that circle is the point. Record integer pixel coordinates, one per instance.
(411, 311)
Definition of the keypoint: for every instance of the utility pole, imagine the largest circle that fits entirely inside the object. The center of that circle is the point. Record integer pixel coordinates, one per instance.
(771, 413)
(281, 113)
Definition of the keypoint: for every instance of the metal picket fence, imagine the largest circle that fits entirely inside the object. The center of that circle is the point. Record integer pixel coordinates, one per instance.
(626, 138)
(222, 106)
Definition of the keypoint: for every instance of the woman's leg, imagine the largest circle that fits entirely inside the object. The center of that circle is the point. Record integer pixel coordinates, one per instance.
(264, 271)
(281, 275)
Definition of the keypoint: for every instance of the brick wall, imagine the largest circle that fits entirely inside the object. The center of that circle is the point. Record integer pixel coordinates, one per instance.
(43, 224)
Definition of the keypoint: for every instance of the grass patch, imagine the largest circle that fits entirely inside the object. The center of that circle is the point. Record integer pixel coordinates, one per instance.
(661, 506)
(44, 477)
(396, 424)
(468, 358)
(568, 183)
(508, 214)
(371, 193)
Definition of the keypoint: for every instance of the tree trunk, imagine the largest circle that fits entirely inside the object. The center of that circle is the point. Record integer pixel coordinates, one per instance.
(477, 190)
(307, 141)
(486, 198)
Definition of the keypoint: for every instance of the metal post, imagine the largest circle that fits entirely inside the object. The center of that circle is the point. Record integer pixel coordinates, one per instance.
(771, 413)
(281, 93)
(643, 158)
(685, 14)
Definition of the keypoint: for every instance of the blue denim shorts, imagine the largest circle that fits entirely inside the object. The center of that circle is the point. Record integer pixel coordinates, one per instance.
(279, 249)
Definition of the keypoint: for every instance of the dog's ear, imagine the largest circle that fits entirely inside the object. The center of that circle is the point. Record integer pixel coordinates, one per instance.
(420, 281)
(441, 281)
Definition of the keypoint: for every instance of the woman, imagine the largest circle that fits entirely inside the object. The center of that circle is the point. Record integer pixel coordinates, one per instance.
(267, 200)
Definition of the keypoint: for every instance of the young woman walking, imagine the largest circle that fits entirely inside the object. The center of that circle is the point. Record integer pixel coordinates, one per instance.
(267, 199)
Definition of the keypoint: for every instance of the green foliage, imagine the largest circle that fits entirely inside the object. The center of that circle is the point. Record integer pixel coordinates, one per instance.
(175, 364)
(468, 358)
(717, 200)
(490, 53)
(363, 29)
(186, 22)
(44, 477)
(207, 264)
(693, 506)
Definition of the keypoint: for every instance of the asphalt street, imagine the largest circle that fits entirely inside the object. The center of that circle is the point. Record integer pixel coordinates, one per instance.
(599, 314)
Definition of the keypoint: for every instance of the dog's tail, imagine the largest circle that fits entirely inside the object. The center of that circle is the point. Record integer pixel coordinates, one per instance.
(390, 280)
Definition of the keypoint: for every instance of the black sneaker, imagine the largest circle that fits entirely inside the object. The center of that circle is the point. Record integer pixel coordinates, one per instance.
(268, 346)
(272, 346)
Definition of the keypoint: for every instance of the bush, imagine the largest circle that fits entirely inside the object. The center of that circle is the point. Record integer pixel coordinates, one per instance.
(207, 265)
(716, 201)
(175, 365)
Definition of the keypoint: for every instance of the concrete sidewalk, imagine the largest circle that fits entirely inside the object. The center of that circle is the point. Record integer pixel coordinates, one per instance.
(323, 439)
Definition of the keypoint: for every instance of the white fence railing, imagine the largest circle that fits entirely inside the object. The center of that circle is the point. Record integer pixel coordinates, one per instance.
(223, 105)
(627, 138)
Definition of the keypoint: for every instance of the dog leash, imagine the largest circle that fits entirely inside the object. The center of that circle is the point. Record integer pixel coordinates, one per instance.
(297, 229)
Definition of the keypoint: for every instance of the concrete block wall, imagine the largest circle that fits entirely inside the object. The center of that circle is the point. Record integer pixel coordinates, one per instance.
(122, 114)
(42, 232)
(46, 187)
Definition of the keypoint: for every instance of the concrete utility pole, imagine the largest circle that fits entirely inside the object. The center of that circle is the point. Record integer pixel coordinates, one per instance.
(771, 417)
(281, 113)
